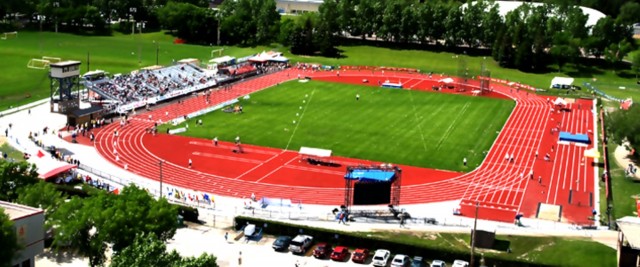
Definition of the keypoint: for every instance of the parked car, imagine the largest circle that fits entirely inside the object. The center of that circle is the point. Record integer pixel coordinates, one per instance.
(340, 253)
(438, 263)
(360, 255)
(400, 261)
(460, 263)
(417, 262)
(381, 257)
(322, 250)
(281, 243)
(300, 244)
(561, 86)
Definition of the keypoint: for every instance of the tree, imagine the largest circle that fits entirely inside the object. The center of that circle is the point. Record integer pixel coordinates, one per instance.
(625, 125)
(391, 21)
(629, 13)
(616, 51)
(368, 16)
(453, 25)
(87, 225)
(491, 24)
(8, 240)
(267, 21)
(41, 195)
(148, 251)
(472, 15)
(327, 28)
(13, 176)
(302, 39)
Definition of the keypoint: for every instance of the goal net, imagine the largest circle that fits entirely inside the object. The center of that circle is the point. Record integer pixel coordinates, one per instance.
(9, 35)
(52, 59)
(39, 64)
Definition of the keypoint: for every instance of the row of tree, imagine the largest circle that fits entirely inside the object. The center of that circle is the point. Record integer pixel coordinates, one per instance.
(133, 223)
(529, 38)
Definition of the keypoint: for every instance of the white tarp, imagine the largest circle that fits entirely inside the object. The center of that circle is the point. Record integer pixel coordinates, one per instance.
(561, 81)
(559, 101)
(316, 152)
(193, 61)
(221, 60)
(446, 80)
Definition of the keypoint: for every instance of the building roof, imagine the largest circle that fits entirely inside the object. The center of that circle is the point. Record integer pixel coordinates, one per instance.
(630, 227)
(65, 63)
(17, 211)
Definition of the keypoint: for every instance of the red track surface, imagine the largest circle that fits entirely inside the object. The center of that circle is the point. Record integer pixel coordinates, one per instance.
(496, 185)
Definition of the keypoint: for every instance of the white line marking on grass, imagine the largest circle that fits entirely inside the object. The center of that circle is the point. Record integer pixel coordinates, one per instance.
(448, 132)
(293, 133)
(415, 115)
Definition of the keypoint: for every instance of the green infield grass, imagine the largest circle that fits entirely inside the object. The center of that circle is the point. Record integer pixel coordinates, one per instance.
(398, 126)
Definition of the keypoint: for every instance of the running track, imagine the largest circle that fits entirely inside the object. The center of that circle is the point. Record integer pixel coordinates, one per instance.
(501, 188)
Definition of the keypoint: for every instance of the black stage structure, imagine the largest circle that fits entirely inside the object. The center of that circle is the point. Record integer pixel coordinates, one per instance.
(372, 185)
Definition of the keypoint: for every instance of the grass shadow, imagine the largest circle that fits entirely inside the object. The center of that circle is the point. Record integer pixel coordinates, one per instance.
(501, 245)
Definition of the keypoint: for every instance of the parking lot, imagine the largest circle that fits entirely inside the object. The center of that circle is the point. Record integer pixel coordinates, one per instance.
(194, 241)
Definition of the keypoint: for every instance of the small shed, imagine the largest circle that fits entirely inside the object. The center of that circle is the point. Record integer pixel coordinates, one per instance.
(628, 241)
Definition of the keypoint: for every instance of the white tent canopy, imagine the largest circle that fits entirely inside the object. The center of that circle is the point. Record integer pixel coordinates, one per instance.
(48, 167)
(562, 81)
(315, 152)
(559, 101)
(266, 56)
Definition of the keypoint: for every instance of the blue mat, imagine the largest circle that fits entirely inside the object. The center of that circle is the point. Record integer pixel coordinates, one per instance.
(392, 85)
(576, 138)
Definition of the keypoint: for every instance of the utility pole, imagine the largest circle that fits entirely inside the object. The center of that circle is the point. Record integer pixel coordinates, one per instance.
(473, 236)
(160, 164)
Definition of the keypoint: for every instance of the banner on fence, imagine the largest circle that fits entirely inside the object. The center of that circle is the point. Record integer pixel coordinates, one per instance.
(179, 130)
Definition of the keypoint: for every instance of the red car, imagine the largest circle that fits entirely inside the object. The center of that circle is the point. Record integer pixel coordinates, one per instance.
(340, 253)
(360, 255)
(322, 250)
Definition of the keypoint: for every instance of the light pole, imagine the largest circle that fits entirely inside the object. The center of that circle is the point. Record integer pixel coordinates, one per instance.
(133, 10)
(157, 51)
(160, 165)
(218, 15)
(473, 236)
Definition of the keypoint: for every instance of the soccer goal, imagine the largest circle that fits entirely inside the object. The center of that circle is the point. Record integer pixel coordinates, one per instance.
(219, 51)
(52, 59)
(39, 64)
(9, 35)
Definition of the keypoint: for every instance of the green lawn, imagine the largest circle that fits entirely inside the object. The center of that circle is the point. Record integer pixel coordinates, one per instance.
(12, 153)
(548, 251)
(399, 126)
(124, 53)
(117, 54)
(624, 189)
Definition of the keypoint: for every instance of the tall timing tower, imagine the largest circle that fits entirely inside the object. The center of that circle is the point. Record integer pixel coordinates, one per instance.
(65, 86)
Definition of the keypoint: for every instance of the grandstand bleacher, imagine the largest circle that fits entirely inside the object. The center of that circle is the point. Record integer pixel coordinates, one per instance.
(149, 86)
